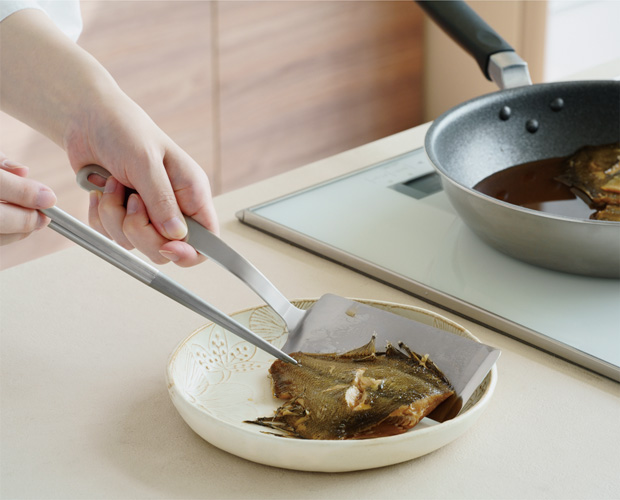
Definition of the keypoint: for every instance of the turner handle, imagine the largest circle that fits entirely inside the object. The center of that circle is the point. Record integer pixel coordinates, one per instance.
(213, 247)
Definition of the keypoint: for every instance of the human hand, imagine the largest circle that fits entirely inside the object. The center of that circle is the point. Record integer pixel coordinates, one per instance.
(119, 136)
(19, 200)
(97, 123)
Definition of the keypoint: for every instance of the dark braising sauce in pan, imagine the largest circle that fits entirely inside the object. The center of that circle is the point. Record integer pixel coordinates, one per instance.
(534, 185)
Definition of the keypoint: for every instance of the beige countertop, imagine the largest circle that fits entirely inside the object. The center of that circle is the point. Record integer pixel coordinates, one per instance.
(85, 411)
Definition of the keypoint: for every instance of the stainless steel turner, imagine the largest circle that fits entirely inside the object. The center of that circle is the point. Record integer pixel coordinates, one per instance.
(337, 324)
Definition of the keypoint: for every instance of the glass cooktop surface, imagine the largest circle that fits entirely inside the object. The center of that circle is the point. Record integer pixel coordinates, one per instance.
(393, 222)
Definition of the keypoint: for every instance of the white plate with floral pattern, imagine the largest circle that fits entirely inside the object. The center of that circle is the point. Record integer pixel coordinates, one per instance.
(217, 381)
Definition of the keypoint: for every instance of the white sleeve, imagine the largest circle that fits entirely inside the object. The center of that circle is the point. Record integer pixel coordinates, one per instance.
(65, 13)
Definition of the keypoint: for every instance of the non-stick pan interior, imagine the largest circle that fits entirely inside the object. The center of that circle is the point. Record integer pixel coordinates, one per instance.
(510, 127)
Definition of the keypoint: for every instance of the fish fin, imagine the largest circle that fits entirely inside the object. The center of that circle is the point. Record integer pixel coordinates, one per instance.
(277, 425)
(363, 353)
(424, 361)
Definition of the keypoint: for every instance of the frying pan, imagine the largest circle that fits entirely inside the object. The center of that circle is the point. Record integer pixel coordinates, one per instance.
(518, 124)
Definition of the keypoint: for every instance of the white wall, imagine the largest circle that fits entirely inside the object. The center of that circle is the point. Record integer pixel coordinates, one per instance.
(581, 35)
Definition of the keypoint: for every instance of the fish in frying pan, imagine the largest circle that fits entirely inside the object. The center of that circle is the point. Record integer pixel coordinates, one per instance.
(359, 394)
(595, 171)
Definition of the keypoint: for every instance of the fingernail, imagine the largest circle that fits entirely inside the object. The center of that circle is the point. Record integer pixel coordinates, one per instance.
(14, 167)
(45, 198)
(175, 228)
(94, 198)
(10, 164)
(169, 255)
(110, 186)
(132, 204)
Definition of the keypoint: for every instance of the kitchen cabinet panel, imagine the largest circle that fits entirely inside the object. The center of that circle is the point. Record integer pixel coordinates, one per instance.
(160, 55)
(248, 89)
(299, 81)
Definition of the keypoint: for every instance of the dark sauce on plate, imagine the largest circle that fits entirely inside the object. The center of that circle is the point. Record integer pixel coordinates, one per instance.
(533, 185)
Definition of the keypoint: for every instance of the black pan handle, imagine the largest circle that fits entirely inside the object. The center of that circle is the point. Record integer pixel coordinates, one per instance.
(468, 29)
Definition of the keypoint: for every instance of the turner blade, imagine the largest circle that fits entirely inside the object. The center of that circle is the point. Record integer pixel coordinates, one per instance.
(337, 324)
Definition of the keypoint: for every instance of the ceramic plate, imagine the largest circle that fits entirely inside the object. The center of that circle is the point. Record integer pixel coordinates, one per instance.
(216, 381)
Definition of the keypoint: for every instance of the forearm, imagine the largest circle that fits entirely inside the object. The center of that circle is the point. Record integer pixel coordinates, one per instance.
(46, 80)
(53, 85)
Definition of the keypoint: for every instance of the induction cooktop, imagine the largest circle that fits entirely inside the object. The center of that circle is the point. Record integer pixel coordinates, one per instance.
(393, 222)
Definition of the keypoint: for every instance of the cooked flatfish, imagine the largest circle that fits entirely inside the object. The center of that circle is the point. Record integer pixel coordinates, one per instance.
(595, 171)
(355, 395)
